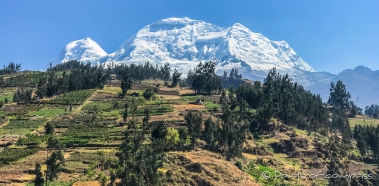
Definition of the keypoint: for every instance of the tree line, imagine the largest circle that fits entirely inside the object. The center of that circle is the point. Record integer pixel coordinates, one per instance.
(83, 76)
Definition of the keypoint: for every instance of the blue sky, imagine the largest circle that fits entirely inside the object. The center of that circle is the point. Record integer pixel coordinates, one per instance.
(328, 35)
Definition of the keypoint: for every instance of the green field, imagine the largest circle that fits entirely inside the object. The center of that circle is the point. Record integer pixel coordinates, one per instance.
(25, 79)
(10, 155)
(370, 121)
(21, 127)
(49, 112)
(74, 97)
(7, 93)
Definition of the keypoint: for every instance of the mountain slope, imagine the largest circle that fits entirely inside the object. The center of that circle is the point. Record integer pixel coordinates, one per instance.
(361, 82)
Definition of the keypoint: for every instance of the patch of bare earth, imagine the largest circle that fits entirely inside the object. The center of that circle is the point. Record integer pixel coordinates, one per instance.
(87, 183)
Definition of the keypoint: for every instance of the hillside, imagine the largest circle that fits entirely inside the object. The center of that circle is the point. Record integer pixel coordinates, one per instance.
(161, 132)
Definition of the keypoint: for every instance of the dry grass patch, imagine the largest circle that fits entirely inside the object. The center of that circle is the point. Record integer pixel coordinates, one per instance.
(201, 167)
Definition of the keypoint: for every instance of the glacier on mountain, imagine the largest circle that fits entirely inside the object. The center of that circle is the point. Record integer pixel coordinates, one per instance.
(183, 43)
(85, 50)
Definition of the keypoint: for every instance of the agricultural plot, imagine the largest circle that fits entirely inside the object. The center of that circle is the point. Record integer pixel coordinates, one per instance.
(19, 110)
(7, 93)
(154, 110)
(99, 105)
(74, 97)
(25, 79)
(21, 127)
(10, 155)
(50, 111)
(367, 121)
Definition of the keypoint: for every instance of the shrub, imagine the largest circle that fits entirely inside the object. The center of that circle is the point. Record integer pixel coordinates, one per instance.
(135, 94)
(148, 94)
(239, 165)
(171, 138)
(183, 135)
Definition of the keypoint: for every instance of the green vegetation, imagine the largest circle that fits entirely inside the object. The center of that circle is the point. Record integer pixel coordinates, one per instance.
(25, 79)
(74, 97)
(154, 110)
(277, 119)
(21, 127)
(7, 93)
(210, 105)
(369, 121)
(49, 112)
(10, 155)
(32, 139)
(99, 105)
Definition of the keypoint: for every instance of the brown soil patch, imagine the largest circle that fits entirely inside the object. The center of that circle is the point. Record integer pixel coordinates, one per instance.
(87, 183)
(141, 87)
(189, 106)
(169, 97)
(186, 91)
(173, 92)
(113, 83)
(100, 96)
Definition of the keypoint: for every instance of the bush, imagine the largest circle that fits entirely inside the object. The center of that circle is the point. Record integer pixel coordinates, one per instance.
(1, 104)
(148, 94)
(171, 138)
(239, 165)
(135, 94)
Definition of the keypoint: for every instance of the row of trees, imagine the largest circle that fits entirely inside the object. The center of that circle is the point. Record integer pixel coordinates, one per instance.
(80, 77)
(233, 80)
(22, 95)
(204, 80)
(367, 138)
(280, 98)
(10, 68)
(142, 71)
(372, 111)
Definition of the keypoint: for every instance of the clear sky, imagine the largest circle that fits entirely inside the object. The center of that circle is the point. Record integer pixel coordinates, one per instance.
(329, 35)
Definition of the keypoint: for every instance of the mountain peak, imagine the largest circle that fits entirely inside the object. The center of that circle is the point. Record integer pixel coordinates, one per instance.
(85, 50)
(362, 68)
(177, 19)
(183, 42)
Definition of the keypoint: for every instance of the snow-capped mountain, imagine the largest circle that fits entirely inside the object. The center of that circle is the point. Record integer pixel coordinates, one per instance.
(85, 50)
(184, 42)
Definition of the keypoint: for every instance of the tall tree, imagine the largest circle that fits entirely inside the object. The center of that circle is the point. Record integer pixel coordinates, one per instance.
(126, 83)
(38, 180)
(54, 165)
(193, 122)
(175, 78)
(339, 97)
(210, 133)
